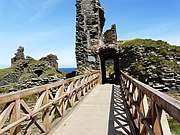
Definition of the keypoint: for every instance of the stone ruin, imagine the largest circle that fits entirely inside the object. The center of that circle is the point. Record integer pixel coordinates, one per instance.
(110, 36)
(26, 72)
(51, 59)
(89, 26)
(19, 59)
(24, 69)
(18, 56)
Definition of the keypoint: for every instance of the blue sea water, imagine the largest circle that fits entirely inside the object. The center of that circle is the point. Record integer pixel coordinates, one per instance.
(67, 70)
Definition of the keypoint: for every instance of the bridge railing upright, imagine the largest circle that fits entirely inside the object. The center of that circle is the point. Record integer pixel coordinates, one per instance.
(48, 104)
(149, 107)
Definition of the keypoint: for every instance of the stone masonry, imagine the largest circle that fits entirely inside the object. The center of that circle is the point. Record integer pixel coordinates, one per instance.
(89, 25)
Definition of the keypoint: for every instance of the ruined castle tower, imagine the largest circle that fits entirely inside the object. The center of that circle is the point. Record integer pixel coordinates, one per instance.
(89, 25)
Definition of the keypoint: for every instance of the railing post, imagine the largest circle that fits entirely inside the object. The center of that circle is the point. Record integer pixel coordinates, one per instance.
(14, 117)
(45, 116)
(134, 96)
(160, 125)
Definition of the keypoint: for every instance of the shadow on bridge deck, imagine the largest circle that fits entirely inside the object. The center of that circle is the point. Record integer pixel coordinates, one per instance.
(118, 120)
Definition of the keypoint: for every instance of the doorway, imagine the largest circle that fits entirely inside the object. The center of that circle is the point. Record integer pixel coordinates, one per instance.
(109, 58)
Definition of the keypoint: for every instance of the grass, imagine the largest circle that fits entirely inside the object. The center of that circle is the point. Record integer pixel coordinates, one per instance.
(154, 59)
(163, 52)
(3, 90)
(137, 67)
(172, 64)
(37, 62)
(110, 69)
(174, 127)
(6, 88)
(150, 42)
(5, 71)
(52, 71)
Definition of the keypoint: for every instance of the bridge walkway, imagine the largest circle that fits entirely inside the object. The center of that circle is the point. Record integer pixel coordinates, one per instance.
(101, 112)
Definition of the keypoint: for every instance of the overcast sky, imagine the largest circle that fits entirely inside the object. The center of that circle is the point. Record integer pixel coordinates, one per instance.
(48, 26)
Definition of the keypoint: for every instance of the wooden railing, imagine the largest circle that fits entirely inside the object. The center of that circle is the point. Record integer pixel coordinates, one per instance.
(149, 107)
(18, 117)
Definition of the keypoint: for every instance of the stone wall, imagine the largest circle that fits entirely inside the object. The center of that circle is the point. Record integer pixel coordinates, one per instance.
(89, 25)
(110, 36)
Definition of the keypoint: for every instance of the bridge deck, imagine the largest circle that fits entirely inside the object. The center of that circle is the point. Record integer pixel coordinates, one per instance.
(100, 113)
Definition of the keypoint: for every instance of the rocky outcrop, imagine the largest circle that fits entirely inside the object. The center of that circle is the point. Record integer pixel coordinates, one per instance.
(70, 75)
(51, 59)
(155, 65)
(89, 25)
(24, 71)
(18, 56)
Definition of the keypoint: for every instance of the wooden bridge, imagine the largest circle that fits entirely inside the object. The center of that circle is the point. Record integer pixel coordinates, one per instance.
(83, 106)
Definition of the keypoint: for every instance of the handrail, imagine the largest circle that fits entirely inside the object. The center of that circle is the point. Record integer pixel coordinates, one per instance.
(52, 102)
(149, 106)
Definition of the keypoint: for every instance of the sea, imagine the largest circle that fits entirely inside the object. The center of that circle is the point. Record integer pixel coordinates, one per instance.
(67, 70)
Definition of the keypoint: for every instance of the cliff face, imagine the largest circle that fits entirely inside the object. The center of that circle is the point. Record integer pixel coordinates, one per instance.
(89, 25)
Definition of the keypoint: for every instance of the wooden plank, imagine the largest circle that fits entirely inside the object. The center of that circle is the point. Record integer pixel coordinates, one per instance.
(45, 117)
(165, 124)
(15, 116)
(156, 125)
(20, 94)
(145, 109)
(162, 122)
(13, 125)
(5, 114)
(25, 107)
(39, 102)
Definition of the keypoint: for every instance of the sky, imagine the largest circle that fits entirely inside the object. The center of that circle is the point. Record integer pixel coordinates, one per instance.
(45, 27)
